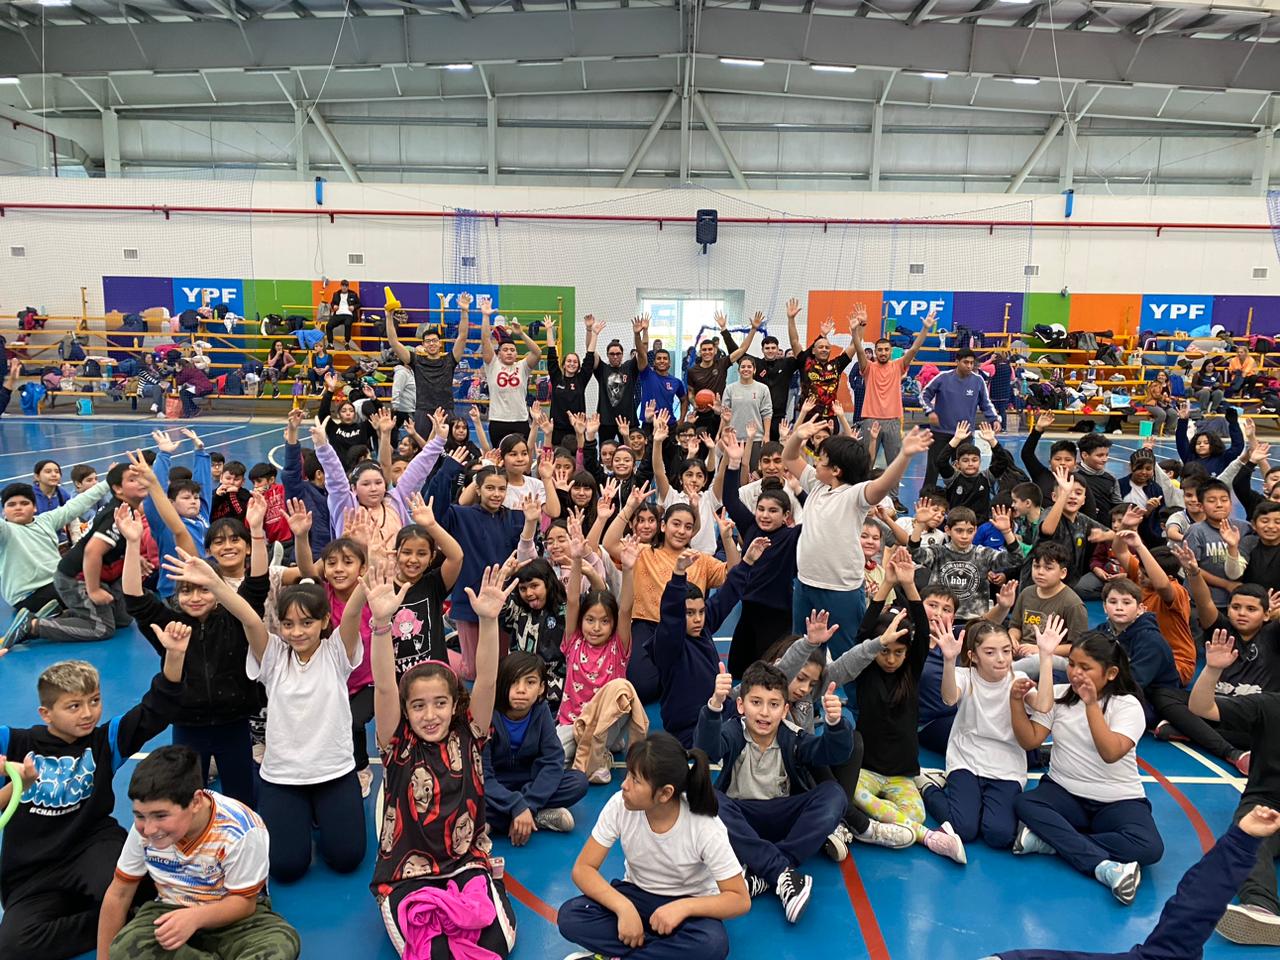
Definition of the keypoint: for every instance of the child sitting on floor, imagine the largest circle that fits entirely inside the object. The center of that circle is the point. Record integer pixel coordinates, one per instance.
(207, 855)
(526, 785)
(682, 877)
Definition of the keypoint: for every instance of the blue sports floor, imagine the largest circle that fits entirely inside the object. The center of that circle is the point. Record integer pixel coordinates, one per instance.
(879, 904)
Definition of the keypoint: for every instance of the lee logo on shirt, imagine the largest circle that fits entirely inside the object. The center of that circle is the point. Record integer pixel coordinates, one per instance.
(61, 781)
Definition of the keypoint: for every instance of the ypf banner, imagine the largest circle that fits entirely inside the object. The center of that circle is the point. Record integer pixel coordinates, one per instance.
(1175, 312)
(195, 292)
(909, 308)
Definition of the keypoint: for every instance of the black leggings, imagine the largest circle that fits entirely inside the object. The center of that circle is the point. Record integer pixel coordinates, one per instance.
(1171, 704)
(230, 745)
(346, 321)
(846, 774)
(289, 811)
(361, 714)
(757, 630)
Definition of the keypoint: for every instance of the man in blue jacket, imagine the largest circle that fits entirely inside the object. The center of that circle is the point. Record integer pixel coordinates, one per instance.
(776, 814)
(950, 398)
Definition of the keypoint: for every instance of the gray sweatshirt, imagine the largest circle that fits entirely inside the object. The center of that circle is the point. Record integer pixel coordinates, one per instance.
(966, 572)
(840, 671)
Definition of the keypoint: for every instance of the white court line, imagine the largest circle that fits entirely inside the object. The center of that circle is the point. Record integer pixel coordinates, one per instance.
(1237, 782)
(117, 440)
(110, 457)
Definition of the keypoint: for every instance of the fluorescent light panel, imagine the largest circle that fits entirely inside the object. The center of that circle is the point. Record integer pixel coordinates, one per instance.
(741, 62)
(930, 74)
(9, 81)
(459, 66)
(1023, 81)
(831, 68)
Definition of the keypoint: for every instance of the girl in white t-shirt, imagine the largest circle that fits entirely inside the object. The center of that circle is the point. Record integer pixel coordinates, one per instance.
(986, 769)
(681, 879)
(1091, 807)
(507, 375)
(693, 489)
(308, 773)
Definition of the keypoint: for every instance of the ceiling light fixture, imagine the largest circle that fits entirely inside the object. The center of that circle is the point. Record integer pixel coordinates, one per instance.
(930, 74)
(9, 81)
(831, 68)
(741, 62)
(459, 66)
(1024, 81)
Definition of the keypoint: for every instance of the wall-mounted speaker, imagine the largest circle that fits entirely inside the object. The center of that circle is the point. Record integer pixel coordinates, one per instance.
(708, 226)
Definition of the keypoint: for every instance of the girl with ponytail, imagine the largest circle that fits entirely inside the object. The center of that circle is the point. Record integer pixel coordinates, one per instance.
(682, 880)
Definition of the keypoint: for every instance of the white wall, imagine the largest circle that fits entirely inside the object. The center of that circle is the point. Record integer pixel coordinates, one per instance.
(608, 262)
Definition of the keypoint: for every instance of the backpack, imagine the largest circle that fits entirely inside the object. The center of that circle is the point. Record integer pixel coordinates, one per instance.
(29, 319)
(295, 322)
(71, 349)
(133, 323)
(30, 397)
(232, 384)
(276, 325)
(92, 368)
(189, 321)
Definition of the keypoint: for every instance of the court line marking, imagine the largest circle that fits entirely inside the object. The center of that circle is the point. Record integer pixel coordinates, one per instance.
(1203, 833)
(531, 900)
(161, 425)
(1237, 782)
(863, 911)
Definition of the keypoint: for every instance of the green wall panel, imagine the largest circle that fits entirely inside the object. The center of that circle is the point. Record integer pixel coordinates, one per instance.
(541, 300)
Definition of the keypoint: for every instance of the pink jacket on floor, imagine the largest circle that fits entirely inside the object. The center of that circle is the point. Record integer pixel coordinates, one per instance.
(460, 915)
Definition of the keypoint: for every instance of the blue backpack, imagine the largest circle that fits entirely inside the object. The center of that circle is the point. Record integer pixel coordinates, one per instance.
(30, 397)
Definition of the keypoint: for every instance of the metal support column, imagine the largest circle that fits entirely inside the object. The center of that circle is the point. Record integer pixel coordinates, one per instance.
(684, 139)
(734, 170)
(302, 156)
(341, 155)
(1262, 167)
(1066, 180)
(492, 115)
(110, 143)
(1021, 176)
(877, 135)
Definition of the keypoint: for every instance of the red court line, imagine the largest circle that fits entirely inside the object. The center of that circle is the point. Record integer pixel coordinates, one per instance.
(530, 899)
(862, 909)
(1197, 821)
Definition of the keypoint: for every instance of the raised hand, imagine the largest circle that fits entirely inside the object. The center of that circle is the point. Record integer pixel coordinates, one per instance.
(817, 628)
(382, 420)
(1050, 635)
(858, 318)
(485, 303)
(831, 705)
(660, 430)
(164, 442)
(547, 466)
(721, 320)
(421, 511)
(1230, 534)
(988, 434)
(1044, 421)
(138, 464)
(827, 327)
(531, 509)
(1007, 596)
(129, 523)
(319, 432)
(1062, 477)
(901, 565)
(723, 521)
(1220, 652)
(593, 425)
(1184, 409)
(931, 321)
(1020, 689)
(945, 640)
(488, 603)
(724, 686)
(730, 444)
(464, 301)
(874, 429)
(1186, 557)
(175, 636)
(381, 595)
(628, 553)
(755, 549)
(757, 320)
(793, 308)
(624, 428)
(638, 495)
(963, 432)
(255, 512)
(189, 568)
(194, 437)
(685, 560)
(1002, 518)
(895, 631)
(357, 525)
(916, 441)
(1086, 691)
(1260, 451)
(293, 423)
(298, 517)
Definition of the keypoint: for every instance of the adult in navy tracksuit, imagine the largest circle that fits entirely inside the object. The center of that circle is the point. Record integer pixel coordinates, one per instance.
(950, 398)
(1189, 916)
(299, 479)
(776, 813)
(684, 648)
(523, 758)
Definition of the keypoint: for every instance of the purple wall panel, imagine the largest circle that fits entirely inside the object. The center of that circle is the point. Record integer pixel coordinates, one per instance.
(1233, 313)
(985, 311)
(412, 296)
(133, 295)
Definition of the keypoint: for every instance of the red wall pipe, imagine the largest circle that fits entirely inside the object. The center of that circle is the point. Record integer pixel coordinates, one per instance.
(1158, 226)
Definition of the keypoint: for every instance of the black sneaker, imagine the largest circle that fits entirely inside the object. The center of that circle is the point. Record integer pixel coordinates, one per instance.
(837, 845)
(757, 886)
(793, 890)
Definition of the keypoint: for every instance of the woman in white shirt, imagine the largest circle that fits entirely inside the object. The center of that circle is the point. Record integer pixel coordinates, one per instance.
(1091, 807)
(507, 375)
(681, 880)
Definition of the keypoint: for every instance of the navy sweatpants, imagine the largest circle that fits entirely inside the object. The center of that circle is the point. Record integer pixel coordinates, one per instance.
(572, 788)
(976, 806)
(231, 746)
(770, 836)
(1189, 916)
(1086, 832)
(641, 670)
(289, 811)
(595, 927)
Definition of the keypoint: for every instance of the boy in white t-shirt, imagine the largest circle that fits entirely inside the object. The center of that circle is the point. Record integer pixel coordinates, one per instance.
(508, 376)
(830, 567)
(207, 855)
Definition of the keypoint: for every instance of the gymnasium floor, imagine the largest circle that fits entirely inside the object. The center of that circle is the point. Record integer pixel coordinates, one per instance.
(879, 904)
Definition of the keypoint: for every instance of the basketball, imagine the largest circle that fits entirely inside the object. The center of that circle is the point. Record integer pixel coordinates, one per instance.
(703, 399)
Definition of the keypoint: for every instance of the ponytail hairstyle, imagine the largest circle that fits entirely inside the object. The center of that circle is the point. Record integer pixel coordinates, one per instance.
(817, 655)
(1098, 646)
(660, 761)
(902, 682)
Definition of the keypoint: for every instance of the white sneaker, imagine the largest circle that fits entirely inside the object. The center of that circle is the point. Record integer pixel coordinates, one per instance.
(365, 777)
(837, 845)
(895, 836)
(160, 416)
(930, 777)
(155, 408)
(1027, 842)
(603, 775)
(555, 819)
(945, 843)
(1250, 924)
(1121, 879)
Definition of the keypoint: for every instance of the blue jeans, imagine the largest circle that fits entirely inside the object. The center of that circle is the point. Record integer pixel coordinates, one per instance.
(1086, 832)
(846, 607)
(587, 923)
(770, 836)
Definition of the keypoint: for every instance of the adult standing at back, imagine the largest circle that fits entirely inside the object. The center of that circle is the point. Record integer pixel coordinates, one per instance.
(569, 381)
(432, 367)
(952, 397)
(344, 311)
(711, 372)
(617, 381)
(883, 376)
(820, 365)
(775, 370)
(508, 376)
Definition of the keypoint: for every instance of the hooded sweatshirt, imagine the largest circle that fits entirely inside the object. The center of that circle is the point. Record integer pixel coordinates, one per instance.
(965, 571)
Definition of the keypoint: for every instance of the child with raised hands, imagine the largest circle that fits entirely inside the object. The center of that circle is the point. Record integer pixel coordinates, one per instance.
(693, 487)
(884, 670)
(192, 501)
(534, 616)
(527, 787)
(513, 462)
(684, 648)
(217, 698)
(986, 768)
(596, 650)
(431, 732)
(1091, 807)
(307, 773)
(1256, 918)
(777, 813)
(682, 879)
(366, 487)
